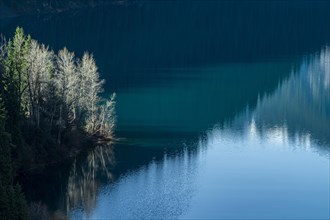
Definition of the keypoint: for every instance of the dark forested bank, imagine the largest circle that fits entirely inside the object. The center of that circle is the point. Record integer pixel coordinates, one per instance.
(10, 8)
(50, 109)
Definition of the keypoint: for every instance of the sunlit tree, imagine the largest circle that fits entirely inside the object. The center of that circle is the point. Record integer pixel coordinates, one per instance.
(66, 81)
(13, 81)
(39, 68)
(90, 87)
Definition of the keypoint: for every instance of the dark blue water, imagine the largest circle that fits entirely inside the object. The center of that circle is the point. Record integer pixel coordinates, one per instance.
(223, 110)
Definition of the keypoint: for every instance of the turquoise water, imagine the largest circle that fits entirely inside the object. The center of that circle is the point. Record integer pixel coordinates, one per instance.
(269, 160)
(223, 111)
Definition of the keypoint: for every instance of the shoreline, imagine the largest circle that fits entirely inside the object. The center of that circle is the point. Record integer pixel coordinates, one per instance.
(88, 143)
(9, 10)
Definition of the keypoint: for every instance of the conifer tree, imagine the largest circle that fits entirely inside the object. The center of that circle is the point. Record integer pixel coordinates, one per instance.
(14, 82)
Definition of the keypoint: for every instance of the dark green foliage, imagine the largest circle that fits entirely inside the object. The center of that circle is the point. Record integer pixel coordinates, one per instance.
(14, 83)
(5, 161)
(12, 202)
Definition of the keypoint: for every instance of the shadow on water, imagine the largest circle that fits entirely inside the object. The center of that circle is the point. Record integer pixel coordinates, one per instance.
(189, 107)
(73, 184)
(192, 94)
(157, 175)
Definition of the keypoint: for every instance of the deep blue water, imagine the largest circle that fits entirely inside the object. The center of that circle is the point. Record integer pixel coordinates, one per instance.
(223, 110)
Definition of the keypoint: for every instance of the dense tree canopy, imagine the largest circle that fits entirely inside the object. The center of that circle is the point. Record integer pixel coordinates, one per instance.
(48, 103)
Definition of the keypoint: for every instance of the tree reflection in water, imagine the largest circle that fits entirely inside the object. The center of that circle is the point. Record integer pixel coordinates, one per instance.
(159, 180)
(86, 176)
(297, 112)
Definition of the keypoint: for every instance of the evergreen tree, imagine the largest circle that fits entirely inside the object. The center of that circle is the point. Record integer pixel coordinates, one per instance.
(12, 202)
(14, 82)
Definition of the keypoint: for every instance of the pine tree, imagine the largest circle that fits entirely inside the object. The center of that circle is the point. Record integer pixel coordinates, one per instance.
(14, 82)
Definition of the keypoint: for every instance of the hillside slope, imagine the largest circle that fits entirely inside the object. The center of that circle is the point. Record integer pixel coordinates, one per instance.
(10, 8)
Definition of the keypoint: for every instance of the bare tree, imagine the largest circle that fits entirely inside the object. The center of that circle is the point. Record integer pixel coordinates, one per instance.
(3, 49)
(90, 87)
(66, 81)
(39, 68)
(107, 117)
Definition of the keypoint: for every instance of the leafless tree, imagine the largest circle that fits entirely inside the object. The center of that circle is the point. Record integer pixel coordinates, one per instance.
(39, 68)
(90, 89)
(66, 81)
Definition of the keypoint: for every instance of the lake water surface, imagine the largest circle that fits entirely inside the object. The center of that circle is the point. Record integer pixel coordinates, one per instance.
(223, 111)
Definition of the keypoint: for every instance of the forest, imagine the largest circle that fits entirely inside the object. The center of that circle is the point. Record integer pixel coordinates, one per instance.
(51, 108)
(20, 7)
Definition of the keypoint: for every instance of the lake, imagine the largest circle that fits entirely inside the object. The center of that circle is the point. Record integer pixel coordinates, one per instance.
(223, 111)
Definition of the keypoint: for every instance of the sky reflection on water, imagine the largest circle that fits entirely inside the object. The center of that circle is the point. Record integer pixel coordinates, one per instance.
(219, 115)
(268, 162)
